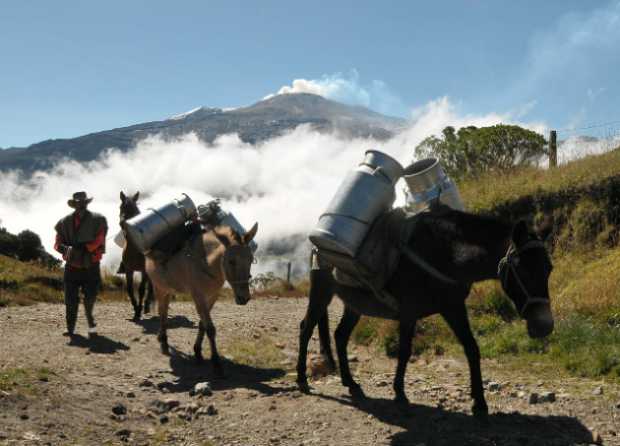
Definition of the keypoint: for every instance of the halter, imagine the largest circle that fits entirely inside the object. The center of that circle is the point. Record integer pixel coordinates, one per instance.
(509, 264)
(233, 282)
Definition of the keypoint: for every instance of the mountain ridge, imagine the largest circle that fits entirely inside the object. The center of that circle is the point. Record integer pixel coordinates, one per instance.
(258, 122)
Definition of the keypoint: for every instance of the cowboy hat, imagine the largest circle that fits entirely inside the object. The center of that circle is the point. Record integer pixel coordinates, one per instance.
(79, 197)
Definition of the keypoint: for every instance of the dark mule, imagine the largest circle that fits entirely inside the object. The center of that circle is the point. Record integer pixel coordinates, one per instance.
(133, 261)
(462, 246)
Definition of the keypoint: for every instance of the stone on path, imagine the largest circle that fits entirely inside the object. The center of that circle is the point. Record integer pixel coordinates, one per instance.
(203, 388)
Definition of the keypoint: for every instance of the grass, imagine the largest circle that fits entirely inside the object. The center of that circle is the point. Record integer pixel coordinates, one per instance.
(261, 352)
(488, 191)
(22, 380)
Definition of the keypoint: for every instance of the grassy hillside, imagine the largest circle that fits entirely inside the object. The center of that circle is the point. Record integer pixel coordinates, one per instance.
(583, 200)
(25, 283)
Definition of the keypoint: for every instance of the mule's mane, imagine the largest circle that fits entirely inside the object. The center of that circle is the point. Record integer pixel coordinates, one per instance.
(228, 232)
(466, 226)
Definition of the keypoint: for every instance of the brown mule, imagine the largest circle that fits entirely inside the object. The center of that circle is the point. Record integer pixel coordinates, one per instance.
(133, 261)
(200, 269)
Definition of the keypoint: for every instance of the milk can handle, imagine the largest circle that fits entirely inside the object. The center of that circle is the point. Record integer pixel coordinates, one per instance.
(379, 170)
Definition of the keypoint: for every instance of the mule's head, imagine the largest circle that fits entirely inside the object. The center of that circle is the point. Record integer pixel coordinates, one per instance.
(524, 274)
(237, 260)
(129, 206)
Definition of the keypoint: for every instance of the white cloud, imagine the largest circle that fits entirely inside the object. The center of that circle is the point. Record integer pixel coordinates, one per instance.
(348, 89)
(284, 184)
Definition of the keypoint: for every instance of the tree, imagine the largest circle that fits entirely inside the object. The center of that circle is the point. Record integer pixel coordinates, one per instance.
(30, 247)
(9, 244)
(472, 150)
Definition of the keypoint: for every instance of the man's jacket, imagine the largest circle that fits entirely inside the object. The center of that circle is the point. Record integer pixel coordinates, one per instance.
(85, 236)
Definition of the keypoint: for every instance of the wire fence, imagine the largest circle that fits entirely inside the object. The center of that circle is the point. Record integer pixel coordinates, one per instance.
(594, 139)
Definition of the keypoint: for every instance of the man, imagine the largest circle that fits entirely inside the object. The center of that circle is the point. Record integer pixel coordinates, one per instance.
(80, 238)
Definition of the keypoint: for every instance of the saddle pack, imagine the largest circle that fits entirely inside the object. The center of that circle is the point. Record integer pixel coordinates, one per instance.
(377, 258)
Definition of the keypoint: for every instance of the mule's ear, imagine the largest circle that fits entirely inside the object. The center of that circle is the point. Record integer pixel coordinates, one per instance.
(247, 238)
(136, 196)
(223, 239)
(123, 197)
(520, 233)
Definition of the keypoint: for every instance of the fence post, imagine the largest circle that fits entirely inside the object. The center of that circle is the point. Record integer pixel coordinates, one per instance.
(288, 273)
(553, 149)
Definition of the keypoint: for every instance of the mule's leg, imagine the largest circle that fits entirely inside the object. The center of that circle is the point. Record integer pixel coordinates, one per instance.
(149, 293)
(163, 300)
(406, 331)
(198, 344)
(326, 347)
(203, 307)
(141, 291)
(457, 319)
(215, 356)
(318, 299)
(134, 304)
(343, 332)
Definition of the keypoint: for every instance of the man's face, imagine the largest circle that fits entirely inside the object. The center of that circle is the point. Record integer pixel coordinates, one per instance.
(80, 208)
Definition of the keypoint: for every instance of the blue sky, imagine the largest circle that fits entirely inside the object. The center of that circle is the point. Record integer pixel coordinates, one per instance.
(73, 67)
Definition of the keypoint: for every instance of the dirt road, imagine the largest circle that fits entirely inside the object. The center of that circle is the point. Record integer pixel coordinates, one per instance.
(122, 390)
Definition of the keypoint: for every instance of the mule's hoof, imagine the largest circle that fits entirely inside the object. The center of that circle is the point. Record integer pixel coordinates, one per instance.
(199, 359)
(402, 401)
(356, 392)
(481, 413)
(303, 386)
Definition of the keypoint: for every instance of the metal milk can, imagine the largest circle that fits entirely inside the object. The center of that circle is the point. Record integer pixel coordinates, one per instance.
(365, 193)
(148, 227)
(427, 182)
(213, 214)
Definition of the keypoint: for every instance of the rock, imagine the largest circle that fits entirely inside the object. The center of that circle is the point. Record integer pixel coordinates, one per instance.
(228, 397)
(596, 437)
(192, 408)
(161, 407)
(597, 390)
(352, 358)
(382, 383)
(164, 419)
(30, 436)
(208, 410)
(123, 433)
(165, 386)
(24, 416)
(533, 399)
(130, 395)
(521, 394)
(547, 397)
(119, 409)
(146, 383)
(494, 386)
(203, 388)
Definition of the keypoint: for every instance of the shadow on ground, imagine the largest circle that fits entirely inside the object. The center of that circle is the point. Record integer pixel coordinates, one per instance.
(435, 426)
(188, 373)
(99, 344)
(151, 325)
